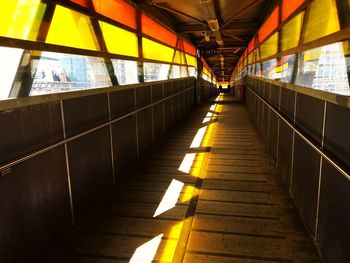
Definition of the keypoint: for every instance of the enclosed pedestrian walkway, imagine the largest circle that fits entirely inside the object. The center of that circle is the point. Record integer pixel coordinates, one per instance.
(116, 146)
(209, 194)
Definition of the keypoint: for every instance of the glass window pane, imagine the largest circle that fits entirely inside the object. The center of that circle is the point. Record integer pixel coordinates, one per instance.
(191, 61)
(119, 41)
(155, 30)
(290, 33)
(270, 25)
(156, 51)
(126, 71)
(179, 57)
(322, 20)
(56, 72)
(72, 29)
(288, 7)
(155, 71)
(325, 68)
(269, 47)
(117, 10)
(21, 18)
(10, 59)
(175, 72)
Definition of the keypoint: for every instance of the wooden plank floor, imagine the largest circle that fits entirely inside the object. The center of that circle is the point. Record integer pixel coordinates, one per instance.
(230, 204)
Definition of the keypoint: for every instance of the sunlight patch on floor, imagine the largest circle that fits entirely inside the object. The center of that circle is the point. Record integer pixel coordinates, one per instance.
(170, 197)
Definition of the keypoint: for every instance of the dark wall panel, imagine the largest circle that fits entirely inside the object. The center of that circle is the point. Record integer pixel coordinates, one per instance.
(90, 169)
(143, 96)
(26, 129)
(285, 152)
(144, 124)
(334, 216)
(265, 122)
(275, 94)
(168, 105)
(34, 206)
(122, 102)
(337, 130)
(309, 116)
(288, 103)
(124, 143)
(158, 120)
(273, 134)
(85, 113)
(305, 182)
(168, 89)
(157, 92)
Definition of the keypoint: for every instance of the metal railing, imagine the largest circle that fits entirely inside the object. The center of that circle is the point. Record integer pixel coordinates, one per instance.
(319, 150)
(5, 169)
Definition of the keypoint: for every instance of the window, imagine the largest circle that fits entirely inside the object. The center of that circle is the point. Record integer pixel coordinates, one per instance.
(56, 72)
(119, 41)
(269, 47)
(155, 71)
(322, 20)
(10, 59)
(21, 18)
(72, 29)
(126, 71)
(290, 33)
(325, 68)
(156, 51)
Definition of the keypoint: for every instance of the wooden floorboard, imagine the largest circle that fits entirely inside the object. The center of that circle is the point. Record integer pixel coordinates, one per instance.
(231, 204)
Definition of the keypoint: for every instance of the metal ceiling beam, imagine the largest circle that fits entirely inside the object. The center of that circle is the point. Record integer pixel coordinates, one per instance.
(240, 12)
(197, 28)
(178, 12)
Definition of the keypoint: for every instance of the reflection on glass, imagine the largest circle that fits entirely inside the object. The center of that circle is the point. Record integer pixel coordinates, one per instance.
(10, 59)
(56, 72)
(325, 68)
(192, 72)
(155, 71)
(126, 71)
(175, 72)
(205, 77)
(269, 69)
(184, 72)
(287, 67)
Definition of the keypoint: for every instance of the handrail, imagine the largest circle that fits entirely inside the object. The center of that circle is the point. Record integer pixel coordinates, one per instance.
(4, 168)
(297, 131)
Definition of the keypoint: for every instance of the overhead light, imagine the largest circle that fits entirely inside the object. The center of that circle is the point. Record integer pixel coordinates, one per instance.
(220, 42)
(213, 24)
